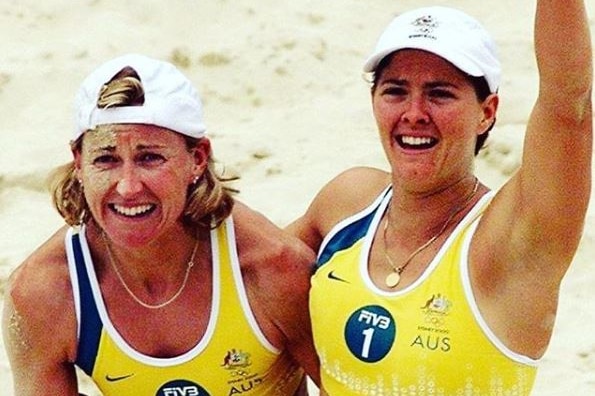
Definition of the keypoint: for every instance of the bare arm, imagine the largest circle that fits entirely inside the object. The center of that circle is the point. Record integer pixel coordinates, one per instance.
(556, 172)
(530, 233)
(38, 333)
(293, 286)
(540, 213)
(277, 269)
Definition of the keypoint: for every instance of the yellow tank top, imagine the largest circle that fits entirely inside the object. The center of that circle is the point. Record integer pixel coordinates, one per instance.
(427, 339)
(232, 358)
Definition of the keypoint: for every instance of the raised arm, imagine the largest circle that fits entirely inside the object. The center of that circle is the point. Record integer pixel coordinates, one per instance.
(529, 234)
(558, 147)
(550, 193)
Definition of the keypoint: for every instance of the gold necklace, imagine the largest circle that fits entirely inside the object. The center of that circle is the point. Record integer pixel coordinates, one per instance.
(393, 279)
(138, 300)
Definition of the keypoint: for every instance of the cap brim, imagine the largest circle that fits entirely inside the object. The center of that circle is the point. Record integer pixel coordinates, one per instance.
(450, 54)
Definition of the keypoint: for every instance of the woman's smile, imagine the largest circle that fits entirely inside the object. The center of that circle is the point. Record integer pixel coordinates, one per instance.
(136, 211)
(409, 142)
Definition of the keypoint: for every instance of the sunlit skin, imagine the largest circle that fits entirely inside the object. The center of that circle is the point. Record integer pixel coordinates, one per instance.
(129, 173)
(525, 234)
(420, 95)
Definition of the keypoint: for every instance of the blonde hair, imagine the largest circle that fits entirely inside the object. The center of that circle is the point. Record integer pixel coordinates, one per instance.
(208, 201)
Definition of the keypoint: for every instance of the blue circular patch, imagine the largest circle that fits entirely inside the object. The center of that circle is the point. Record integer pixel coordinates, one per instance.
(370, 333)
(181, 387)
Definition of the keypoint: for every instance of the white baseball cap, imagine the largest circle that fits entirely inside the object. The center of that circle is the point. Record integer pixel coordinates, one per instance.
(170, 100)
(446, 32)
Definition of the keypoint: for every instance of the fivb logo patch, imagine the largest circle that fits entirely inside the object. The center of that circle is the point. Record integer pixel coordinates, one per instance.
(370, 333)
(181, 388)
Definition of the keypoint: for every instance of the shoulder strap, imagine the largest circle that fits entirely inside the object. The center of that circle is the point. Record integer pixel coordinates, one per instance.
(348, 231)
(90, 322)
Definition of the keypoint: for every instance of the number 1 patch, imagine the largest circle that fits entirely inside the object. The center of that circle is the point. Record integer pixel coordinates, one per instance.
(370, 333)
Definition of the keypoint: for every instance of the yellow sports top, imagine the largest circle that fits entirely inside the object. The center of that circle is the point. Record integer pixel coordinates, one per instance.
(427, 339)
(232, 358)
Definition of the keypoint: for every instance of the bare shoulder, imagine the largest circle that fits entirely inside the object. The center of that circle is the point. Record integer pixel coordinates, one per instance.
(356, 186)
(41, 274)
(348, 193)
(38, 294)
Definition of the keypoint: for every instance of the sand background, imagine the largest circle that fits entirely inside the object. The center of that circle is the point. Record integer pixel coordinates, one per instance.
(285, 105)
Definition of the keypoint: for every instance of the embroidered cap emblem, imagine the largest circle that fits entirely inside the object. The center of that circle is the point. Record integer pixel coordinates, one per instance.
(425, 25)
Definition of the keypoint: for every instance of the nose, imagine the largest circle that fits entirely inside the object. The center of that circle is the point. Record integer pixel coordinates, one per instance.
(129, 182)
(416, 111)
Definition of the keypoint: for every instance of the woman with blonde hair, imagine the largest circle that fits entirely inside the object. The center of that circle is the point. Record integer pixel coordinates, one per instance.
(162, 283)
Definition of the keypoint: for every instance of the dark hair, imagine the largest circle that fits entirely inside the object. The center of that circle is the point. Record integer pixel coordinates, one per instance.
(480, 85)
(482, 91)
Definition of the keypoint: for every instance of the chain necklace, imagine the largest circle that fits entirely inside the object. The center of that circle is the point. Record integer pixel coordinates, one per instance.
(138, 300)
(393, 279)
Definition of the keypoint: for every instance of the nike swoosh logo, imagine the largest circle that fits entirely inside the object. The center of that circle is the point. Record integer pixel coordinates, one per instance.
(115, 379)
(331, 275)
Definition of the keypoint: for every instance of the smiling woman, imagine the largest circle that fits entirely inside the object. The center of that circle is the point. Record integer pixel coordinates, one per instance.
(429, 115)
(430, 273)
(161, 282)
(143, 164)
(126, 91)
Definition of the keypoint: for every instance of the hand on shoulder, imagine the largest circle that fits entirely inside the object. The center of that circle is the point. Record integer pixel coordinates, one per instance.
(261, 242)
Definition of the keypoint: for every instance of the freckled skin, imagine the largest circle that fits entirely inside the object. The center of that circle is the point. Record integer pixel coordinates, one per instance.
(130, 165)
(17, 338)
(102, 137)
(420, 93)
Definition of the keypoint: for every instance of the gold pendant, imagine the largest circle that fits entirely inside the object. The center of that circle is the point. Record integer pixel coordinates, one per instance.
(392, 279)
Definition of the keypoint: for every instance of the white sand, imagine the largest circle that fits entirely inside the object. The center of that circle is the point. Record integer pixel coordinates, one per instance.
(285, 106)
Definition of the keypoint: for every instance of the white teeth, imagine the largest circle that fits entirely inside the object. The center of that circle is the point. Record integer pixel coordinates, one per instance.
(132, 211)
(416, 141)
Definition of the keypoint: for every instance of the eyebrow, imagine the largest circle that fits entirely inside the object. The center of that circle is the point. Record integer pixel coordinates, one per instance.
(150, 146)
(139, 147)
(430, 85)
(102, 149)
(440, 84)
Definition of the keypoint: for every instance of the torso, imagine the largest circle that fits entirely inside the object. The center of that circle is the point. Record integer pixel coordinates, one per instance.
(204, 354)
(428, 327)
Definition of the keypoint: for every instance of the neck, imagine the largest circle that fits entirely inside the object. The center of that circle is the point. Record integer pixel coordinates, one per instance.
(422, 215)
(151, 288)
(157, 261)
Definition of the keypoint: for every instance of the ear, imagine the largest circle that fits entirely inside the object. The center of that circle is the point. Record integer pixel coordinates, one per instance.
(489, 109)
(76, 154)
(202, 154)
